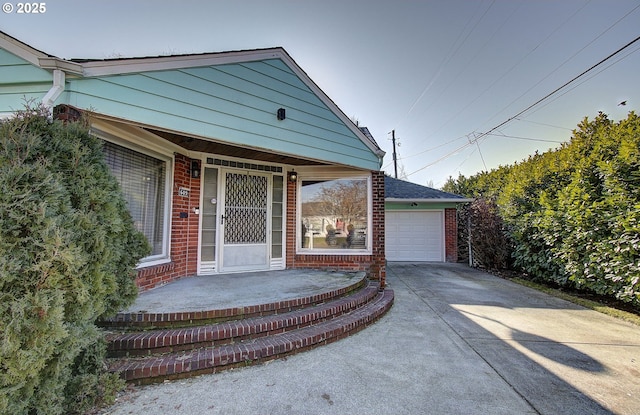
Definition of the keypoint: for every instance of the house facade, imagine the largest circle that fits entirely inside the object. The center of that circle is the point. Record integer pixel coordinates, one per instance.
(225, 159)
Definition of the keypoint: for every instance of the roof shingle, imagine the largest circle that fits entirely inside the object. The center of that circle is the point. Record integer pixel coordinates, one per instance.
(400, 189)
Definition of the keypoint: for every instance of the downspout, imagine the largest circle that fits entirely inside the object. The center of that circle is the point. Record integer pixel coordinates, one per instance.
(56, 89)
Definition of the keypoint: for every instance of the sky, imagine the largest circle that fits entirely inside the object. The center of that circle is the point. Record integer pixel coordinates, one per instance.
(440, 73)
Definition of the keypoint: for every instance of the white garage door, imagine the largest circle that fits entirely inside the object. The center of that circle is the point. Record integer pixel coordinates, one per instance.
(414, 235)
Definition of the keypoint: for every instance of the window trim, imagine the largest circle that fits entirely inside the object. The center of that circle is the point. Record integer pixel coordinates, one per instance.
(165, 256)
(336, 251)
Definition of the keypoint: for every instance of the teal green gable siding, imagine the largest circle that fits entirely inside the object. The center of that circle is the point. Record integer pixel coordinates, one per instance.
(20, 82)
(234, 103)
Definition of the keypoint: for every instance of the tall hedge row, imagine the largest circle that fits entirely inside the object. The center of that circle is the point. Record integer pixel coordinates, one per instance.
(68, 250)
(574, 213)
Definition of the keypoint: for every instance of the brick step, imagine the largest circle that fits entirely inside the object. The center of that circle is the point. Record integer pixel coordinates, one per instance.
(173, 340)
(213, 359)
(142, 320)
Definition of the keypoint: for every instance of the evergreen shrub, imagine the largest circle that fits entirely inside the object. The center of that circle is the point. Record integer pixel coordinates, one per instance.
(68, 251)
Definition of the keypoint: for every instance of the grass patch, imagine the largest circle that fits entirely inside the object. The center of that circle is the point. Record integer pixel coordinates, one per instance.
(598, 306)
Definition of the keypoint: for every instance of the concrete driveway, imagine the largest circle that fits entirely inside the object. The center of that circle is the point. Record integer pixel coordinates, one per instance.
(457, 341)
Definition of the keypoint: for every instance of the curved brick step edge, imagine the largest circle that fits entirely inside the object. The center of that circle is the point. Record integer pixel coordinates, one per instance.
(173, 340)
(125, 321)
(215, 359)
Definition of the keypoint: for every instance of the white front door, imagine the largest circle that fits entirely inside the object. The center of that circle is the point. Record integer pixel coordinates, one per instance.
(245, 222)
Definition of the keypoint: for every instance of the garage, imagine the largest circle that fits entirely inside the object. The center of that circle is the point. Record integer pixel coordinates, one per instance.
(415, 235)
(420, 222)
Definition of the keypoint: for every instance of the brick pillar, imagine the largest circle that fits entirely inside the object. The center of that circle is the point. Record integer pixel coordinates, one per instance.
(184, 230)
(290, 238)
(378, 260)
(451, 234)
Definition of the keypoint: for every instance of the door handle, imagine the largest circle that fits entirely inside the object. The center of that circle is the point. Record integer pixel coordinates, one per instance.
(221, 219)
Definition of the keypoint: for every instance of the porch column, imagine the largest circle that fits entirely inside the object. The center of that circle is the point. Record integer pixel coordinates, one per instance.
(378, 260)
(290, 238)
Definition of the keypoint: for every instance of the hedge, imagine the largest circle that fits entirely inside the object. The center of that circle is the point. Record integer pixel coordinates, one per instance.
(573, 213)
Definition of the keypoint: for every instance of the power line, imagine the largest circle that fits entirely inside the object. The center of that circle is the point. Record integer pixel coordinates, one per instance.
(433, 148)
(502, 76)
(588, 79)
(525, 138)
(561, 87)
(457, 45)
(545, 124)
(568, 59)
(446, 156)
(467, 65)
(481, 156)
(508, 71)
(479, 136)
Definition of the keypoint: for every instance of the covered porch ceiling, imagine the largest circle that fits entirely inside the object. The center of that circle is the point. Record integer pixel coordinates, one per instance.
(194, 144)
(207, 146)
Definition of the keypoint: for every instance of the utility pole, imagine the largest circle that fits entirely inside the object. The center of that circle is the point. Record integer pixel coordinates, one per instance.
(395, 161)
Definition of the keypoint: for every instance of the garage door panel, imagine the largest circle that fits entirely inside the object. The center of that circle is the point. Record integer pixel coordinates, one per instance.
(414, 235)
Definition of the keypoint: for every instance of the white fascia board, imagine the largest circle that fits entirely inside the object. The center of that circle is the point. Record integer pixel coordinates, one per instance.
(21, 50)
(56, 63)
(332, 105)
(135, 134)
(435, 200)
(37, 58)
(161, 63)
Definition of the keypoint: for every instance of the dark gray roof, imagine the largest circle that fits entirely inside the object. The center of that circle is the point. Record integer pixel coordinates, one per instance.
(400, 189)
(367, 133)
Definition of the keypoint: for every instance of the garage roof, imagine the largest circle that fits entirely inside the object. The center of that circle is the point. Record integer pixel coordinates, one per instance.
(401, 190)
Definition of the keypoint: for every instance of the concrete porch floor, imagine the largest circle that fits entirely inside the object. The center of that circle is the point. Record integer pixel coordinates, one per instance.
(222, 291)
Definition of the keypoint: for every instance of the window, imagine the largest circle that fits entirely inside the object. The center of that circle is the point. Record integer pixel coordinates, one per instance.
(277, 213)
(334, 214)
(143, 181)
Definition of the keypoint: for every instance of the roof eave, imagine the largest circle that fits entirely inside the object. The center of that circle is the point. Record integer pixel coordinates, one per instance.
(147, 64)
(61, 64)
(373, 146)
(20, 49)
(430, 200)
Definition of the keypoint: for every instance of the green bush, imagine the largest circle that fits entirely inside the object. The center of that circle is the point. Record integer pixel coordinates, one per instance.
(574, 213)
(68, 251)
(490, 239)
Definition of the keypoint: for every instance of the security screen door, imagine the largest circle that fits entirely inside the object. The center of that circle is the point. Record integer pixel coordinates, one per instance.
(245, 222)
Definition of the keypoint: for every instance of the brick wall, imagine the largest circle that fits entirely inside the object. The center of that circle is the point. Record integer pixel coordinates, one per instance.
(378, 266)
(184, 231)
(373, 264)
(451, 235)
(184, 235)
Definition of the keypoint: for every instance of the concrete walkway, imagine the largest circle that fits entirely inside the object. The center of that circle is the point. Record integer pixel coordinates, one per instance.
(457, 341)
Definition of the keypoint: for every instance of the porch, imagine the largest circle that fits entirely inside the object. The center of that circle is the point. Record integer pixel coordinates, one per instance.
(206, 324)
(225, 291)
